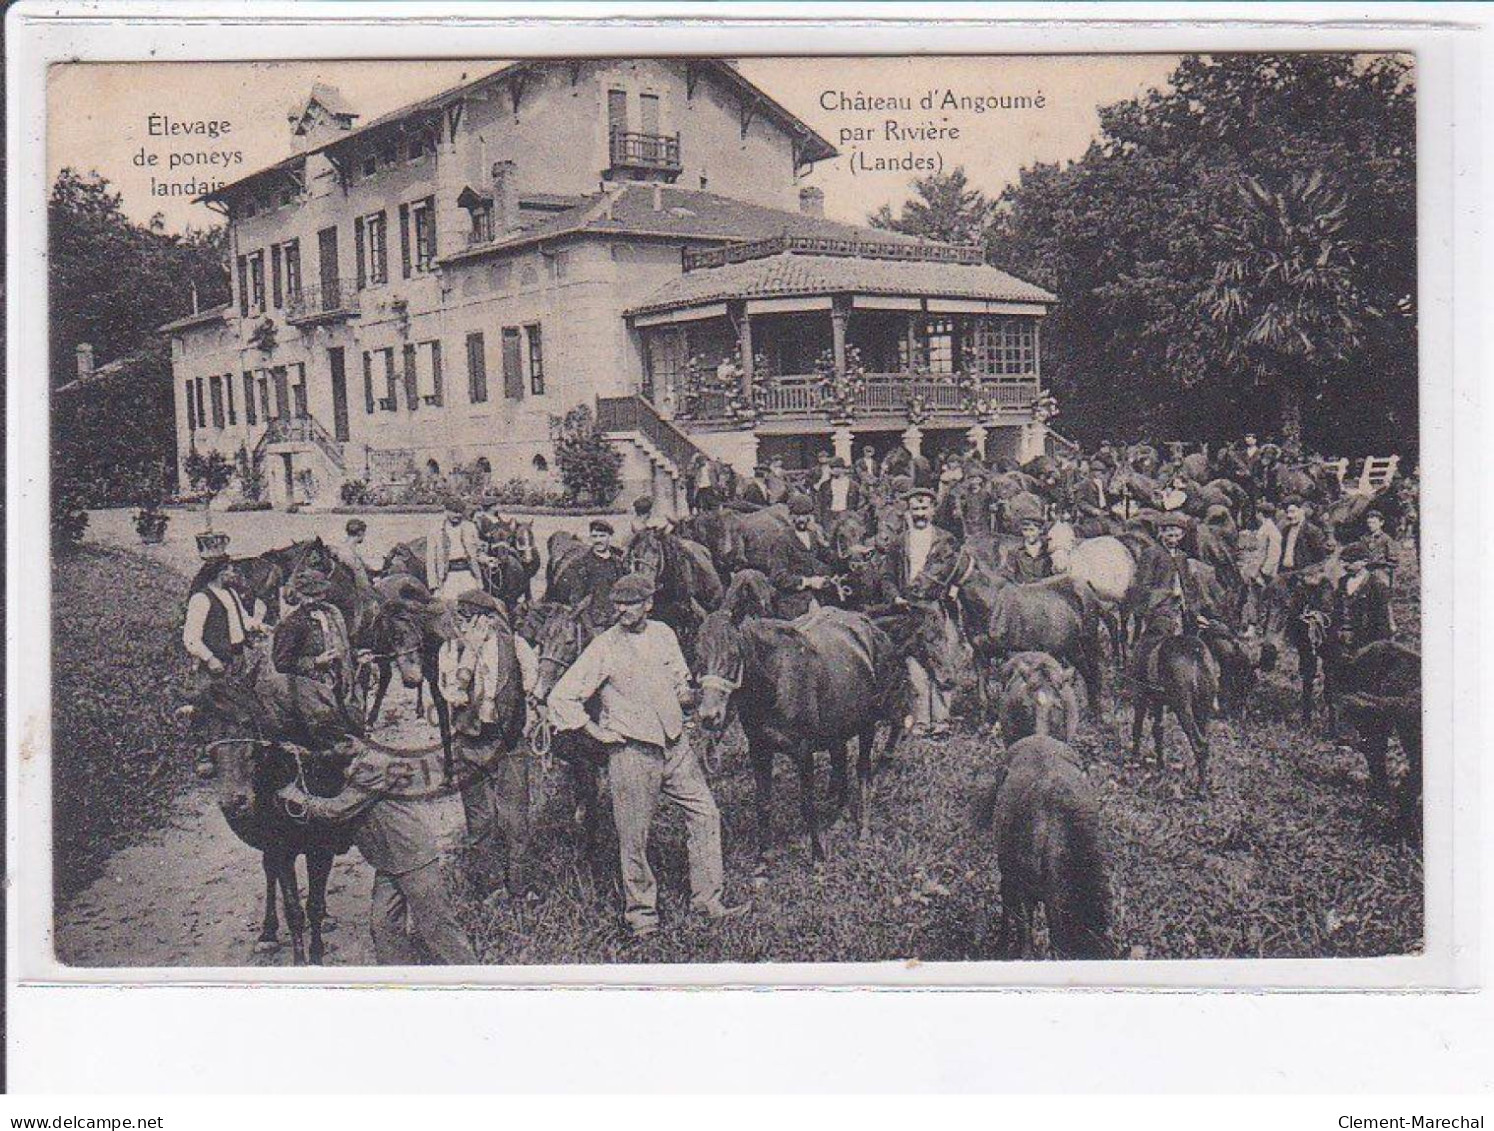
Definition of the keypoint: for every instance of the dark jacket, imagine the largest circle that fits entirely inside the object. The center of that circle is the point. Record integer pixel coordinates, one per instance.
(823, 499)
(1156, 569)
(1020, 566)
(1364, 615)
(938, 569)
(1311, 548)
(299, 639)
(791, 562)
(589, 575)
(755, 493)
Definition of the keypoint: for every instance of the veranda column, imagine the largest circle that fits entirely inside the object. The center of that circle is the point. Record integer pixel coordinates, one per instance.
(843, 442)
(840, 315)
(739, 316)
(977, 436)
(913, 440)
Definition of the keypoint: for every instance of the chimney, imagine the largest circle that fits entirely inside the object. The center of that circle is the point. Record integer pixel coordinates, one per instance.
(812, 201)
(85, 360)
(505, 197)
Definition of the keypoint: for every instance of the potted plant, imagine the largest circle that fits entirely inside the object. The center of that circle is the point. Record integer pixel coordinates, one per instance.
(209, 474)
(150, 519)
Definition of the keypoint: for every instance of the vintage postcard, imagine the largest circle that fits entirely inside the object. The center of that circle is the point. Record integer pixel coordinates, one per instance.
(840, 514)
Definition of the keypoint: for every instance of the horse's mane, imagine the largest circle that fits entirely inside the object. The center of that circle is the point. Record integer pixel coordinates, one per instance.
(749, 595)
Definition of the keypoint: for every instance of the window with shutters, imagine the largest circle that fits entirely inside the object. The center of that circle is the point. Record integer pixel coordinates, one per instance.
(299, 400)
(257, 282)
(243, 272)
(536, 343)
(191, 407)
(412, 395)
(201, 404)
(286, 261)
(369, 404)
(372, 234)
(276, 294)
(425, 357)
(228, 398)
(389, 402)
(423, 233)
(432, 351)
(477, 370)
(513, 364)
(215, 390)
(266, 405)
(250, 416)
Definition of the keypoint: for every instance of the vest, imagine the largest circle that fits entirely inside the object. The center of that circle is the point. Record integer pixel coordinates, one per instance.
(215, 629)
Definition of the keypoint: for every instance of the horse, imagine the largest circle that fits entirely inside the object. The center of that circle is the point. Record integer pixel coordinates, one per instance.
(561, 549)
(800, 686)
(413, 626)
(1038, 692)
(1179, 671)
(262, 577)
(1380, 694)
(719, 531)
(999, 618)
(686, 585)
(512, 559)
(394, 638)
(266, 731)
(1049, 848)
(407, 558)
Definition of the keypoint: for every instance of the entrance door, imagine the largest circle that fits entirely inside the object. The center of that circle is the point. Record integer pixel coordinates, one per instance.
(513, 365)
(282, 392)
(339, 394)
(288, 470)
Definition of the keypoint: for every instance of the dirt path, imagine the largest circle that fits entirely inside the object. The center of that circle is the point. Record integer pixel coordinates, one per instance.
(192, 894)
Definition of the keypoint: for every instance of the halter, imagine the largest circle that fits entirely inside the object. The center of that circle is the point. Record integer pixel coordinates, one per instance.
(721, 683)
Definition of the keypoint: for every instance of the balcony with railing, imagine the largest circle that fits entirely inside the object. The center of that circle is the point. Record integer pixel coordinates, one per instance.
(657, 153)
(326, 303)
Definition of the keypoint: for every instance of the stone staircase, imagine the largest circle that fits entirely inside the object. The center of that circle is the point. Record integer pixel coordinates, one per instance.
(653, 442)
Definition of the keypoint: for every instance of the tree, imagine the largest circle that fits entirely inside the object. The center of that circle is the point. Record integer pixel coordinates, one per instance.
(944, 208)
(1140, 236)
(590, 467)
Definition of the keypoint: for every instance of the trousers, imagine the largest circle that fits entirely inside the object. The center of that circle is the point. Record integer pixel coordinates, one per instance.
(930, 701)
(639, 775)
(412, 923)
(495, 802)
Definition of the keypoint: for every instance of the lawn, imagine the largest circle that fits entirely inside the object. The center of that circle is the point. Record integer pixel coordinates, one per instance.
(118, 672)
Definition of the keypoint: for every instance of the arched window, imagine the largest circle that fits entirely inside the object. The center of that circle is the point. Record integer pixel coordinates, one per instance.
(541, 464)
(484, 466)
(432, 468)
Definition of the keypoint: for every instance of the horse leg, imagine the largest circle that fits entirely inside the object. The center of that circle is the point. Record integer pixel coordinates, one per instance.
(804, 759)
(1138, 723)
(1194, 719)
(840, 788)
(318, 869)
(386, 673)
(1158, 710)
(290, 898)
(762, 774)
(868, 739)
(1307, 672)
(269, 935)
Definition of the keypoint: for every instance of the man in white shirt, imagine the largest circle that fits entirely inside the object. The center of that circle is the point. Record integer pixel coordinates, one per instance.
(217, 629)
(642, 680)
(453, 553)
(921, 566)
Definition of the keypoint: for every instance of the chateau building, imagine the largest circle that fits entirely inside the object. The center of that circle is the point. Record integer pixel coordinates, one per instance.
(431, 288)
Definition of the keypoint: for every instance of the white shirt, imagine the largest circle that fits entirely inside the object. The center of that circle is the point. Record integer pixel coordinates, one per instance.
(840, 493)
(920, 543)
(1289, 547)
(642, 677)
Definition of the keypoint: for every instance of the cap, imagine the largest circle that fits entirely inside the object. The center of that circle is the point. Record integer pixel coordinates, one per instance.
(632, 589)
(1172, 520)
(600, 525)
(799, 504)
(643, 504)
(476, 600)
(921, 493)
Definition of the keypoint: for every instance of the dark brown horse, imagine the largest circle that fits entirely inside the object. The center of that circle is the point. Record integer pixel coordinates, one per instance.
(265, 731)
(1380, 688)
(1177, 671)
(1049, 848)
(686, 585)
(1038, 696)
(798, 687)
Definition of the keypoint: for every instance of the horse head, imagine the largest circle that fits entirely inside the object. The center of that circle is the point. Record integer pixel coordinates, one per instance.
(400, 633)
(564, 632)
(720, 653)
(935, 642)
(226, 721)
(646, 555)
(750, 594)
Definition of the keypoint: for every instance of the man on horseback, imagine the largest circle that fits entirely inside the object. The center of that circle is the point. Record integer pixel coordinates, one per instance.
(313, 641)
(1361, 610)
(453, 553)
(638, 671)
(592, 573)
(801, 571)
(922, 564)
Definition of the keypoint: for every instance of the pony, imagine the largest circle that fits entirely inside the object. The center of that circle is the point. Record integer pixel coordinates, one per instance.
(394, 639)
(1038, 696)
(267, 730)
(407, 558)
(1177, 672)
(561, 549)
(1050, 851)
(686, 585)
(999, 618)
(513, 559)
(1380, 687)
(798, 687)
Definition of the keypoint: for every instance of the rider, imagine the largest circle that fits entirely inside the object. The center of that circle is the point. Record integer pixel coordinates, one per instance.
(1381, 548)
(352, 553)
(1361, 605)
(410, 915)
(800, 568)
(1029, 561)
(313, 640)
(453, 553)
(592, 573)
(838, 495)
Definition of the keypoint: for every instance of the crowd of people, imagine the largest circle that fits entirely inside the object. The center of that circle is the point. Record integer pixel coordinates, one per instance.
(1218, 539)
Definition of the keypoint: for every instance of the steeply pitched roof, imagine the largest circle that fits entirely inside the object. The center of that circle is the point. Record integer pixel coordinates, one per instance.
(816, 148)
(331, 100)
(681, 214)
(788, 274)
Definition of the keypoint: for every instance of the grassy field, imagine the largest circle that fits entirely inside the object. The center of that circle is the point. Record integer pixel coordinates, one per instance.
(1287, 859)
(118, 672)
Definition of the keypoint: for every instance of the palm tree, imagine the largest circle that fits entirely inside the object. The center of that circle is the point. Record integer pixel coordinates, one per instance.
(1284, 291)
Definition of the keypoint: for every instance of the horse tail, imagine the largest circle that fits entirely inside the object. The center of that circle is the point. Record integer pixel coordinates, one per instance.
(984, 811)
(1077, 888)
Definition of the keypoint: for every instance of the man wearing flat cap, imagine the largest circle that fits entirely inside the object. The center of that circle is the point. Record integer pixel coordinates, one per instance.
(638, 673)
(313, 640)
(1361, 603)
(800, 566)
(922, 565)
(593, 573)
(1165, 572)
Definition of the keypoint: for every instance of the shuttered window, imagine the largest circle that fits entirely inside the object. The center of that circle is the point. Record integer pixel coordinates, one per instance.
(391, 382)
(404, 240)
(437, 393)
(250, 416)
(275, 292)
(412, 394)
(536, 359)
(243, 286)
(228, 397)
(368, 390)
(477, 370)
(267, 408)
(191, 407)
(358, 251)
(201, 404)
(513, 364)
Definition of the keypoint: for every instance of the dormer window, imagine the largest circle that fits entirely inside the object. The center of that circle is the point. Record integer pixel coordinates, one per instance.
(479, 209)
(370, 165)
(417, 148)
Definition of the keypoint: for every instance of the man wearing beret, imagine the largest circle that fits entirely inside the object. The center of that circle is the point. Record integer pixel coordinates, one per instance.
(592, 573)
(313, 639)
(922, 565)
(640, 676)
(800, 568)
